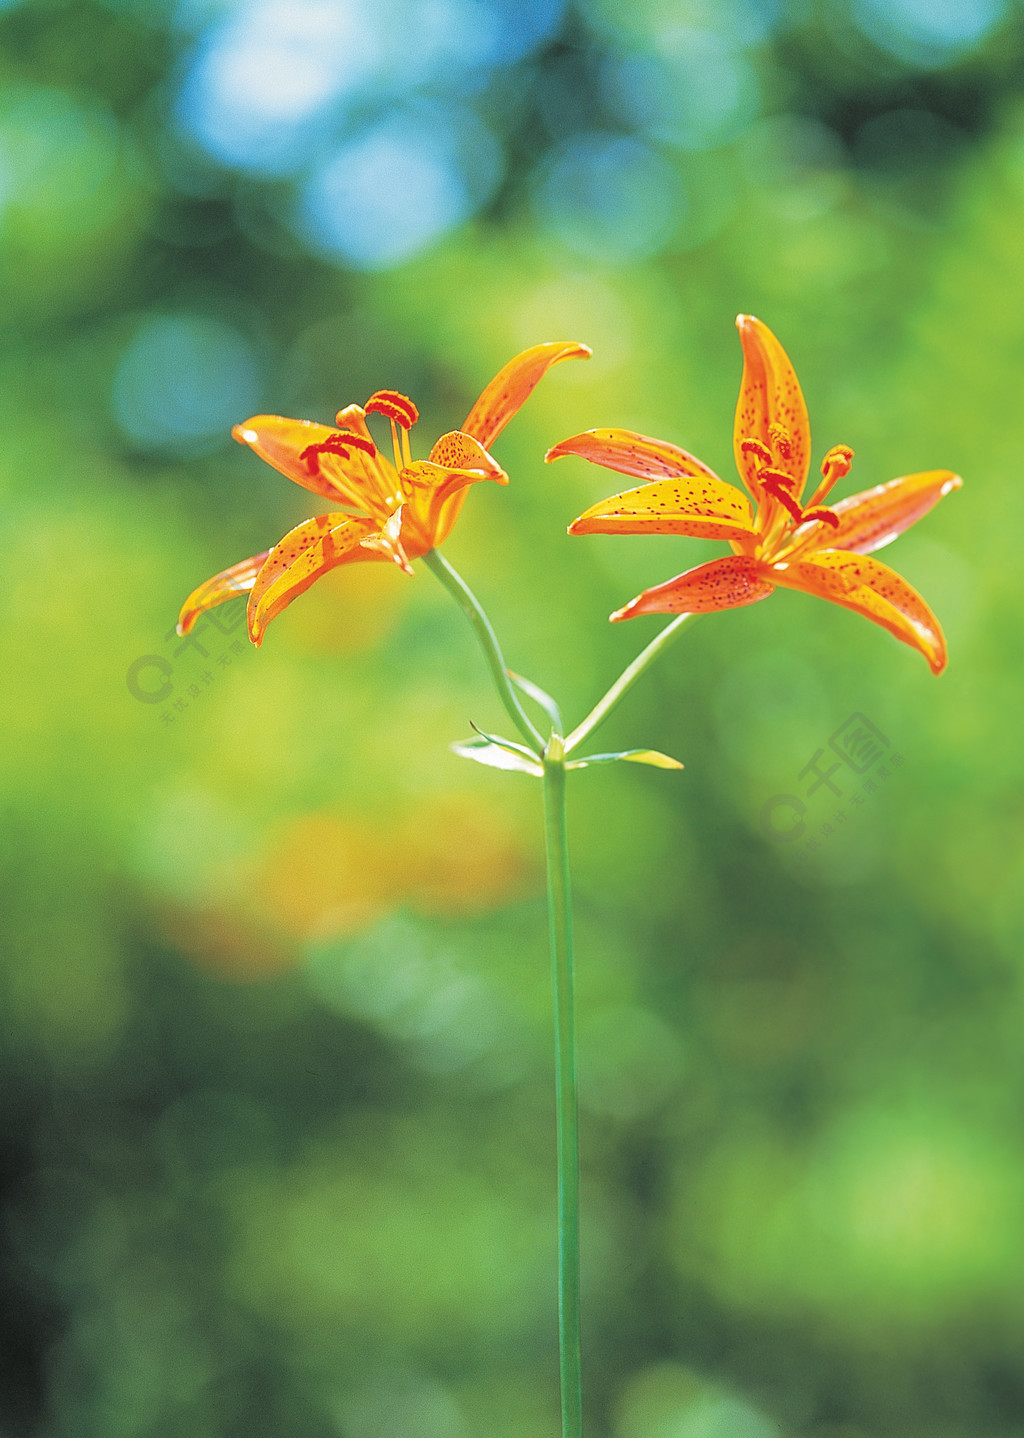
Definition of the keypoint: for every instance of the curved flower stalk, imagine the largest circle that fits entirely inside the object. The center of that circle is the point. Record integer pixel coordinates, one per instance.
(782, 539)
(388, 509)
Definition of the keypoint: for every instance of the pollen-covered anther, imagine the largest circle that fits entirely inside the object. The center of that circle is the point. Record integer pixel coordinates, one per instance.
(778, 485)
(770, 478)
(828, 516)
(760, 451)
(834, 467)
(781, 441)
(334, 444)
(836, 464)
(394, 406)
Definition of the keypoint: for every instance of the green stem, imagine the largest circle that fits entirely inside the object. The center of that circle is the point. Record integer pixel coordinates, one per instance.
(560, 919)
(627, 679)
(566, 1102)
(470, 606)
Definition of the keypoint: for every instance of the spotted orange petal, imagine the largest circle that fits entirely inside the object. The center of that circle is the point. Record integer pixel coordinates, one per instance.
(239, 579)
(869, 587)
(720, 584)
(436, 496)
(283, 443)
(702, 507)
(301, 557)
(630, 453)
(513, 385)
(460, 451)
(869, 520)
(288, 549)
(770, 395)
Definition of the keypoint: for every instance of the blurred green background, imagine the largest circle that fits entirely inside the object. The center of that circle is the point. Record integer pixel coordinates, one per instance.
(277, 1074)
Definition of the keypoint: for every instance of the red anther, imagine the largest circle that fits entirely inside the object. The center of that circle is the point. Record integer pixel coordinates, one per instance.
(828, 515)
(756, 448)
(393, 405)
(334, 444)
(781, 440)
(778, 476)
(837, 462)
(776, 485)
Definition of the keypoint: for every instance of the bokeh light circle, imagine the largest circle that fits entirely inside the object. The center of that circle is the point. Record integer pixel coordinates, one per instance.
(398, 186)
(609, 197)
(695, 91)
(182, 381)
(927, 33)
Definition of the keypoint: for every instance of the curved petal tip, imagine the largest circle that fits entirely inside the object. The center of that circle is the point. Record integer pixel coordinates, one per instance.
(513, 384)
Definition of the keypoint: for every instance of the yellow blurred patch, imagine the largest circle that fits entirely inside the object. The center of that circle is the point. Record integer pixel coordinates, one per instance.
(324, 874)
(327, 874)
(352, 607)
(463, 857)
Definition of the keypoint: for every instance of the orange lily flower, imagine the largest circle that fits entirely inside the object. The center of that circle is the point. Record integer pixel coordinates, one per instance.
(382, 510)
(820, 549)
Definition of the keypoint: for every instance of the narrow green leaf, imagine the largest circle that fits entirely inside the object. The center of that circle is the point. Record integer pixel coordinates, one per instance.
(510, 744)
(654, 757)
(496, 756)
(631, 756)
(539, 697)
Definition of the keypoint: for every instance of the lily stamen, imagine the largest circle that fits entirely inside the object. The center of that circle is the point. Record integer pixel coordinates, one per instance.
(396, 407)
(396, 446)
(835, 466)
(807, 538)
(779, 487)
(757, 449)
(823, 513)
(403, 414)
(770, 477)
(333, 444)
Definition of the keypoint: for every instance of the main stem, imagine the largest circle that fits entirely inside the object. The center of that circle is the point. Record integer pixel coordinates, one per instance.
(470, 606)
(560, 918)
(627, 679)
(566, 1101)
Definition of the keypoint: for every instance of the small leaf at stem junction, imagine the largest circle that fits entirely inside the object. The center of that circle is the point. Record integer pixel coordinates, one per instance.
(631, 756)
(510, 744)
(483, 750)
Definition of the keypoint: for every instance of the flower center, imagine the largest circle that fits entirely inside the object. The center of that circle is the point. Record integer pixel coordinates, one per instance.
(781, 486)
